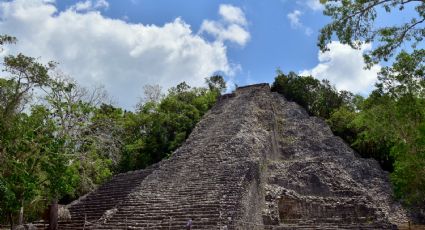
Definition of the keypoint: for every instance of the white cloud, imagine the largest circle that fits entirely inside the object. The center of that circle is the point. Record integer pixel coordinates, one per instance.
(81, 6)
(232, 26)
(233, 32)
(122, 56)
(90, 5)
(314, 5)
(101, 4)
(232, 14)
(308, 31)
(344, 67)
(294, 20)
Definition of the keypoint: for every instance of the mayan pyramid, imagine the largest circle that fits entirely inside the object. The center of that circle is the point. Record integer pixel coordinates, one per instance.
(255, 161)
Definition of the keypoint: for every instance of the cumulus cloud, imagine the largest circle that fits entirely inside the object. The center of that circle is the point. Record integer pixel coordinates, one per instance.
(232, 14)
(90, 5)
(120, 55)
(344, 67)
(231, 27)
(295, 22)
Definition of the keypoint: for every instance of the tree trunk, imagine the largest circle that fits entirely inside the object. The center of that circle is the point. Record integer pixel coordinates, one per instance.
(11, 220)
(21, 215)
(53, 215)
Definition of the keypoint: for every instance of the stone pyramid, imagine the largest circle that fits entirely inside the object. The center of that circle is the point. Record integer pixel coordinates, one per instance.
(255, 161)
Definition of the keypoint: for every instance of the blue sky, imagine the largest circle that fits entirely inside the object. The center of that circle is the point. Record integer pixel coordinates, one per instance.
(273, 43)
(125, 44)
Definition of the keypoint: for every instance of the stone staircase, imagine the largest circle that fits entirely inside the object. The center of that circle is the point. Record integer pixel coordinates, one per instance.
(92, 207)
(211, 179)
(255, 161)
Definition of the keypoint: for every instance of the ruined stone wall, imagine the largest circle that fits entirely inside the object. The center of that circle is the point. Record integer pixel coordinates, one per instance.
(319, 179)
(255, 161)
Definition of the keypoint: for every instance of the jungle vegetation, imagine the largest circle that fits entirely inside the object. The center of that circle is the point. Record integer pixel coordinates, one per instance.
(389, 123)
(71, 139)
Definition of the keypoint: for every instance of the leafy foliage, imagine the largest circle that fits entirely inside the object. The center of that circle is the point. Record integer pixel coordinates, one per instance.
(404, 83)
(353, 24)
(158, 128)
(387, 126)
(74, 140)
(216, 83)
(318, 98)
(26, 140)
(409, 170)
(72, 108)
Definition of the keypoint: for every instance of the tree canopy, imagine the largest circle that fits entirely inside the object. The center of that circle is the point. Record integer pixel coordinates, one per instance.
(354, 23)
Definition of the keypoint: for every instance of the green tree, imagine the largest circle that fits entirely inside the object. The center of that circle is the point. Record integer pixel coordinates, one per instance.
(34, 168)
(73, 107)
(24, 74)
(21, 135)
(156, 129)
(6, 39)
(405, 78)
(318, 98)
(107, 129)
(353, 23)
(390, 124)
(409, 170)
(374, 133)
(341, 124)
(216, 83)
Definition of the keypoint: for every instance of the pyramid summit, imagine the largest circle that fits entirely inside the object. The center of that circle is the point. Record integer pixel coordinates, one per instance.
(255, 161)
